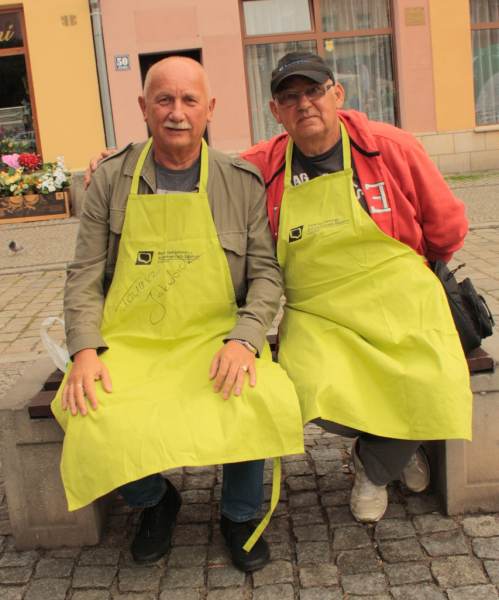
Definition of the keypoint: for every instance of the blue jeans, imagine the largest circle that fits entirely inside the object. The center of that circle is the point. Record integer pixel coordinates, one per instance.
(242, 490)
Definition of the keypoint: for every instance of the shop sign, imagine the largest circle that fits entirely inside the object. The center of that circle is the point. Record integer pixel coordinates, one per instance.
(122, 62)
(11, 35)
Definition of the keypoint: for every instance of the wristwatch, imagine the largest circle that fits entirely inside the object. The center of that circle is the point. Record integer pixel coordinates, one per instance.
(247, 345)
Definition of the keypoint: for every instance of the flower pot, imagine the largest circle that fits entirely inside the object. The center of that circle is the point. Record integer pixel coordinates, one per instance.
(31, 199)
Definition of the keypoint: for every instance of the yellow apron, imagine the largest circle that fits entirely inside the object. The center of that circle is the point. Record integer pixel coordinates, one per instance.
(367, 335)
(170, 306)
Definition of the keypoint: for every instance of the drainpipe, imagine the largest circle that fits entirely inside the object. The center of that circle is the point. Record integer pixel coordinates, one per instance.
(100, 56)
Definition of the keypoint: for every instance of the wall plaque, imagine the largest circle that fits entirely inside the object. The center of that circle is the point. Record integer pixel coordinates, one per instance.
(415, 16)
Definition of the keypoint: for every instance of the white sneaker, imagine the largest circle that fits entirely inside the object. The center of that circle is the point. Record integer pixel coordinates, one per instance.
(368, 502)
(416, 476)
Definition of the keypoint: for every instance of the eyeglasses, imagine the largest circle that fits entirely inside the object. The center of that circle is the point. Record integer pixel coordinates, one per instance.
(313, 93)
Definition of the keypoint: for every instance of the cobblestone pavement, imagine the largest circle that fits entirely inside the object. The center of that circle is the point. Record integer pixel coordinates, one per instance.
(318, 551)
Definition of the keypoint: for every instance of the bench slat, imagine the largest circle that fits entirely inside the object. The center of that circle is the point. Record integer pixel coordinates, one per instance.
(39, 406)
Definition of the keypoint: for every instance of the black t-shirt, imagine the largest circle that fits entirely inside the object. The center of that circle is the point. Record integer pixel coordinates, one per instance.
(326, 163)
(172, 181)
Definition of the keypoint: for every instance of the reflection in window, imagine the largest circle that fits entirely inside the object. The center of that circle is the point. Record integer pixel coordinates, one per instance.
(11, 35)
(348, 15)
(485, 52)
(484, 11)
(16, 120)
(364, 67)
(264, 17)
(261, 60)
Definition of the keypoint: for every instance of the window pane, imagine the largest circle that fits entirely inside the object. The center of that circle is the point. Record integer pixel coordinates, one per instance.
(261, 60)
(364, 67)
(485, 48)
(11, 35)
(264, 17)
(484, 11)
(346, 15)
(16, 121)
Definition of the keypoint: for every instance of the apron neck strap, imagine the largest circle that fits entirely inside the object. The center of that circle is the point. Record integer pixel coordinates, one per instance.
(347, 155)
(203, 180)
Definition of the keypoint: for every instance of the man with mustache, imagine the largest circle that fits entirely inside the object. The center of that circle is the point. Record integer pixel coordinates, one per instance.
(175, 269)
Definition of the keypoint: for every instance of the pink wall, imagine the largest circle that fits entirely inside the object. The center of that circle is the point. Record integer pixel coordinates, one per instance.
(415, 70)
(136, 27)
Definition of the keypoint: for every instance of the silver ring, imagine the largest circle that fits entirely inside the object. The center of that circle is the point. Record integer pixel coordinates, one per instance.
(80, 384)
(243, 368)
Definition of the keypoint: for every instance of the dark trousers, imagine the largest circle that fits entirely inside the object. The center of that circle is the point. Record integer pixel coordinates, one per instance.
(384, 459)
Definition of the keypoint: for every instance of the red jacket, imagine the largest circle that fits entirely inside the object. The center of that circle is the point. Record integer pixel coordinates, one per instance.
(396, 175)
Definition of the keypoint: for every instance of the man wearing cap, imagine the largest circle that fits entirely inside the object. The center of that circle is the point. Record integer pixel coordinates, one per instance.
(356, 209)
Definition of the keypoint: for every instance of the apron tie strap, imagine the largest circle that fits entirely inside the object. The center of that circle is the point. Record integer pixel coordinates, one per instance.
(276, 489)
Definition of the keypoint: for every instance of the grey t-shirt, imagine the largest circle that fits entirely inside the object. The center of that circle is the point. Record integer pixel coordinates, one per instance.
(326, 163)
(171, 181)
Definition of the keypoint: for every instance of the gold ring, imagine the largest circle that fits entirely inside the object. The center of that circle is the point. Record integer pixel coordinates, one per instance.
(80, 384)
(244, 368)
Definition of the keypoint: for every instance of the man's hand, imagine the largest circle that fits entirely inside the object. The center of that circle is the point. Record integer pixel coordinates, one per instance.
(94, 163)
(226, 365)
(87, 368)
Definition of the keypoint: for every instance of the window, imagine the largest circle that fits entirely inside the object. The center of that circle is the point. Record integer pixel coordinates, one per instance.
(17, 114)
(485, 51)
(354, 36)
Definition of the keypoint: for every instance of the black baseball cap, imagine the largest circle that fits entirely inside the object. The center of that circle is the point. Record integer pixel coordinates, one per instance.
(303, 63)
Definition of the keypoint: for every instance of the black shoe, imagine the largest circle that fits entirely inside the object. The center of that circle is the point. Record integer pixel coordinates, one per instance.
(236, 535)
(154, 527)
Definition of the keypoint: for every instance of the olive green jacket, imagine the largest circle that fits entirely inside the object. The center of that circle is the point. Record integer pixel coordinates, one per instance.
(237, 199)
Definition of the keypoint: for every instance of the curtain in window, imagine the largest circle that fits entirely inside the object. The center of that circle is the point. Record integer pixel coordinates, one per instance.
(263, 17)
(485, 52)
(348, 15)
(261, 60)
(364, 67)
(484, 11)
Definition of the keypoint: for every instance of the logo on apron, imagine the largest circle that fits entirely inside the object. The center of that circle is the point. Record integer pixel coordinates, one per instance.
(144, 257)
(296, 234)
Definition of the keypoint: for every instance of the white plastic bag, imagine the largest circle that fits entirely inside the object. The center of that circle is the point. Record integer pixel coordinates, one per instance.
(59, 355)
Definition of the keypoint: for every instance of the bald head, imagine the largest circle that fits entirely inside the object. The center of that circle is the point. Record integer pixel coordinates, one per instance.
(176, 63)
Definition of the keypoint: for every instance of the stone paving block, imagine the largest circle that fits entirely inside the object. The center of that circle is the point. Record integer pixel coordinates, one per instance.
(218, 553)
(199, 482)
(274, 592)
(196, 497)
(225, 577)
(301, 483)
(486, 526)
(279, 571)
(192, 577)
(313, 553)
(225, 594)
(141, 579)
(475, 592)
(190, 535)
(174, 595)
(335, 481)
(11, 593)
(54, 568)
(293, 458)
(320, 594)
(93, 577)
(404, 573)
(108, 557)
(277, 531)
(352, 562)
(350, 538)
(311, 533)
(433, 523)
(92, 595)
(280, 551)
(341, 498)
(395, 511)
(325, 468)
(364, 583)
(194, 513)
(413, 592)
(340, 516)
(307, 516)
(187, 556)
(420, 505)
(48, 589)
(393, 529)
(455, 571)
(19, 559)
(445, 543)
(382, 597)
(400, 551)
(15, 575)
(486, 547)
(297, 468)
(318, 575)
(303, 499)
(492, 568)
(326, 454)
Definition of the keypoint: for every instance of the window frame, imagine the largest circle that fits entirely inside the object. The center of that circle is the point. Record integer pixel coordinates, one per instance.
(18, 8)
(319, 36)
